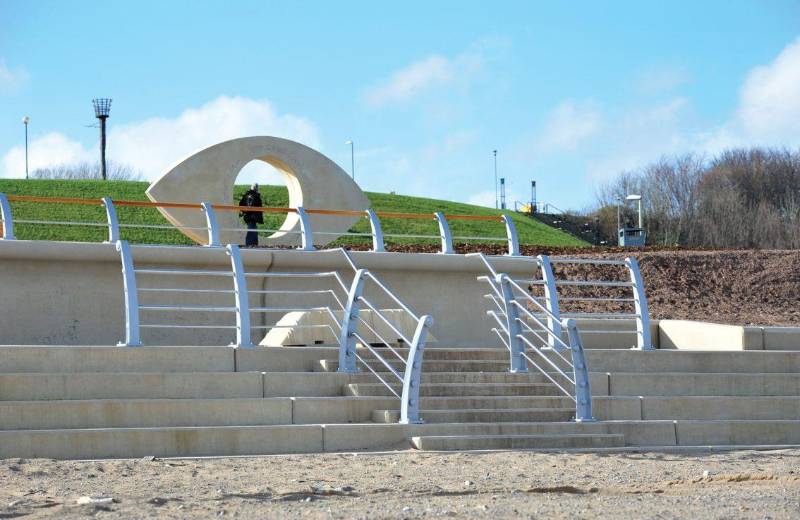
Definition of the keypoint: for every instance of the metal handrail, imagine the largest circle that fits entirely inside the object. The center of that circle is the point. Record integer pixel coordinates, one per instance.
(306, 233)
(637, 297)
(513, 332)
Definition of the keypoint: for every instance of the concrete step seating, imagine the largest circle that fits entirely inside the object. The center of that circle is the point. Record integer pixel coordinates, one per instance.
(94, 402)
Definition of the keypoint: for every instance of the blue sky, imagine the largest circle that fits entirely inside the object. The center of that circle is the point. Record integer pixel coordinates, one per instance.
(569, 93)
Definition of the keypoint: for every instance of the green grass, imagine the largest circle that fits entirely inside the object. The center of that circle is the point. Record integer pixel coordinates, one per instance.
(530, 231)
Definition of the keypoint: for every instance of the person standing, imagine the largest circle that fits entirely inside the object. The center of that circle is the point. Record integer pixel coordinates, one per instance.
(252, 199)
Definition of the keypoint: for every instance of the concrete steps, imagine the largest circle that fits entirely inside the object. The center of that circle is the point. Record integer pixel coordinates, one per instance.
(459, 389)
(482, 415)
(507, 442)
(436, 365)
(81, 402)
(704, 384)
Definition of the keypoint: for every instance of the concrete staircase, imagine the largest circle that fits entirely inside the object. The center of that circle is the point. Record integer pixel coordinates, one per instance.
(96, 402)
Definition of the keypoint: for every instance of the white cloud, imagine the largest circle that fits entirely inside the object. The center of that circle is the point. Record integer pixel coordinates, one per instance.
(769, 101)
(435, 71)
(662, 78)
(49, 150)
(411, 80)
(155, 144)
(11, 79)
(568, 125)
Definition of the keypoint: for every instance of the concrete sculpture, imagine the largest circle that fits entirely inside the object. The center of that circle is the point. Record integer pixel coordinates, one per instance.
(313, 180)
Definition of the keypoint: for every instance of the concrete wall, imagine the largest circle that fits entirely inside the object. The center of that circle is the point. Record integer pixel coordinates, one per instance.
(55, 293)
(698, 335)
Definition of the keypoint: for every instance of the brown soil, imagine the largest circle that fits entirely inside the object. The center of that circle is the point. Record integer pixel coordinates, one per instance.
(519, 484)
(743, 287)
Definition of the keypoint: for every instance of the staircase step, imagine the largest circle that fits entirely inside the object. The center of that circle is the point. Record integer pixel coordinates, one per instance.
(481, 415)
(505, 442)
(161, 442)
(442, 354)
(39, 359)
(429, 366)
(496, 402)
(135, 413)
(459, 389)
(165, 385)
(705, 384)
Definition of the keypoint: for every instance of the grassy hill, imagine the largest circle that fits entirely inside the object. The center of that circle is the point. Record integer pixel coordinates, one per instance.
(530, 231)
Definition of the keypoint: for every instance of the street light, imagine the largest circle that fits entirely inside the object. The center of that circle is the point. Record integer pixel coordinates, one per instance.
(352, 159)
(25, 121)
(102, 107)
(495, 179)
(637, 198)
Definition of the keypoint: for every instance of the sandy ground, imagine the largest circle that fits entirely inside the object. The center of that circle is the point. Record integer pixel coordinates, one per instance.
(741, 484)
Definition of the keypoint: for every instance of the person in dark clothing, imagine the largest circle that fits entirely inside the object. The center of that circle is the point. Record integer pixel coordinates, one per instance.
(252, 199)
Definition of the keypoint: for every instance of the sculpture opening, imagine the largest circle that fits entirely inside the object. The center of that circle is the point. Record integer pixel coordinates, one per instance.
(313, 181)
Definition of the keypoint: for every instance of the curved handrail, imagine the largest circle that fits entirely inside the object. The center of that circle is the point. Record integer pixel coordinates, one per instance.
(305, 233)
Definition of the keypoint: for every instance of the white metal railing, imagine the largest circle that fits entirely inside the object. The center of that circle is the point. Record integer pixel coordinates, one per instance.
(523, 326)
(342, 307)
(624, 290)
(305, 234)
(559, 291)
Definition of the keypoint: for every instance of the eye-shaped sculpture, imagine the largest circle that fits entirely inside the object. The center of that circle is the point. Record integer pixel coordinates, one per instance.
(313, 180)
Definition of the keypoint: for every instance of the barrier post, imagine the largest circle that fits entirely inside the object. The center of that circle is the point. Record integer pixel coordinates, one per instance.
(8, 219)
(306, 233)
(444, 233)
(515, 345)
(643, 340)
(583, 389)
(113, 223)
(412, 378)
(243, 339)
(211, 223)
(131, 296)
(513, 238)
(377, 232)
(550, 298)
(347, 339)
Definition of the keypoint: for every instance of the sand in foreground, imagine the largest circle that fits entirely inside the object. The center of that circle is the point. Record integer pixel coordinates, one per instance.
(741, 484)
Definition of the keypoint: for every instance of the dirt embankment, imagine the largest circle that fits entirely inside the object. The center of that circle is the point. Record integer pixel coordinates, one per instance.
(756, 287)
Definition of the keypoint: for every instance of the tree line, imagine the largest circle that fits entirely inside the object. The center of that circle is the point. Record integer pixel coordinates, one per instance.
(740, 198)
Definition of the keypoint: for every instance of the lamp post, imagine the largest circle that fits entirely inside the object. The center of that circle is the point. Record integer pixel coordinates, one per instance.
(352, 159)
(102, 107)
(495, 179)
(25, 121)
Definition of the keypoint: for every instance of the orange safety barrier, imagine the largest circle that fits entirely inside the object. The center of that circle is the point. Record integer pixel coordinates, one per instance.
(226, 207)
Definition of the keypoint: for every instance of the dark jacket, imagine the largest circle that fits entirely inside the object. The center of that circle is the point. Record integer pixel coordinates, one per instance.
(251, 198)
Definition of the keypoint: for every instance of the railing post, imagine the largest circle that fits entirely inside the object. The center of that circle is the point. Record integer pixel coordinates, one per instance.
(306, 233)
(643, 340)
(412, 379)
(113, 223)
(515, 344)
(444, 233)
(377, 232)
(131, 296)
(241, 295)
(583, 388)
(513, 238)
(347, 340)
(211, 223)
(550, 298)
(8, 219)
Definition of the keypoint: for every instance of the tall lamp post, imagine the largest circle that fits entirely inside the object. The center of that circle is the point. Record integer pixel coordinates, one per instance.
(495, 179)
(352, 159)
(25, 121)
(102, 107)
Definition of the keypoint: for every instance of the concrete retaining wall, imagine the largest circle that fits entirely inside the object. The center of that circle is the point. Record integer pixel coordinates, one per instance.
(698, 335)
